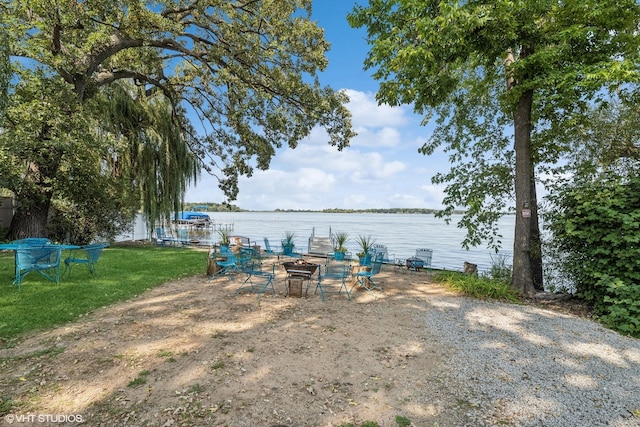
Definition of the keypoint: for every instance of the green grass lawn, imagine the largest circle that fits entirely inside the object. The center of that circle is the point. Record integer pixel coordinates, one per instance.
(123, 272)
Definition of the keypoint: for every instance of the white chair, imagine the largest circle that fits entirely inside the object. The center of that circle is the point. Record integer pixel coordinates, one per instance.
(421, 260)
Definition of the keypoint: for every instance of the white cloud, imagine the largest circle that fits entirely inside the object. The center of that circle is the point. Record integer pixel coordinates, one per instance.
(313, 179)
(377, 137)
(368, 114)
(380, 169)
(432, 194)
(373, 168)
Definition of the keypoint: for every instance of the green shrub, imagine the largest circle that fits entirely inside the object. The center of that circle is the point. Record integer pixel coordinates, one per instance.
(478, 287)
(594, 225)
(499, 270)
(621, 306)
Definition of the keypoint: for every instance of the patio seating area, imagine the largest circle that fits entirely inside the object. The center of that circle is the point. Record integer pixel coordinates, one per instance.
(42, 256)
(263, 271)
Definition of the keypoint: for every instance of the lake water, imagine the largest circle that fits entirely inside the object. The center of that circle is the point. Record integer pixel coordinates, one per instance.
(401, 233)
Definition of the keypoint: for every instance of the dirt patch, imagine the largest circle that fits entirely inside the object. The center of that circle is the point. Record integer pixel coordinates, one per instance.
(192, 353)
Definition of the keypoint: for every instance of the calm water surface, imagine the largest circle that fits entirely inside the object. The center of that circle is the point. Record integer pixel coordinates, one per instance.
(402, 233)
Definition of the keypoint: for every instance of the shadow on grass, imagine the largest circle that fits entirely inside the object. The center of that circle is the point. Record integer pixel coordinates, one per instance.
(122, 273)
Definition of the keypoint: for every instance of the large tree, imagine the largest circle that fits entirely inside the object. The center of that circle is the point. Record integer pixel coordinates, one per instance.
(5, 72)
(239, 78)
(479, 65)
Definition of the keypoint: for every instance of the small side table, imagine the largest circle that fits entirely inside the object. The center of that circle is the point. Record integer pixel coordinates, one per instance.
(295, 280)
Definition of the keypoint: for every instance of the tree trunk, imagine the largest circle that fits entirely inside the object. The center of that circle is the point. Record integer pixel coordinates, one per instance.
(523, 282)
(35, 194)
(535, 243)
(31, 221)
(34, 199)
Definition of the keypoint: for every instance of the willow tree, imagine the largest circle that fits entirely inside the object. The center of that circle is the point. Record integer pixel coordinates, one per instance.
(535, 65)
(239, 77)
(138, 157)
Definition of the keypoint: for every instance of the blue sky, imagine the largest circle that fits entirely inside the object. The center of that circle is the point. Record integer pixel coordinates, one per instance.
(382, 167)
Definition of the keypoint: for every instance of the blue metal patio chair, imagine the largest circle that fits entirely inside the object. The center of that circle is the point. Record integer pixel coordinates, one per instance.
(245, 256)
(44, 260)
(269, 250)
(92, 255)
(183, 237)
(334, 272)
(162, 238)
(258, 280)
(365, 279)
(377, 248)
(227, 262)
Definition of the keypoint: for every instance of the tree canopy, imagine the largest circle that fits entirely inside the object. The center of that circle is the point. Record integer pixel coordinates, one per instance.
(152, 92)
(481, 66)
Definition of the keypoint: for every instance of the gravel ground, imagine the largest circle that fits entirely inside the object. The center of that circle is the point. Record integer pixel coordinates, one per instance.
(192, 353)
(527, 366)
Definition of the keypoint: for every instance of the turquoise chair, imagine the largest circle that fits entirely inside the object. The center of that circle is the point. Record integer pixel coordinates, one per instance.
(247, 256)
(365, 279)
(269, 250)
(183, 237)
(92, 255)
(258, 279)
(386, 258)
(334, 273)
(44, 260)
(228, 263)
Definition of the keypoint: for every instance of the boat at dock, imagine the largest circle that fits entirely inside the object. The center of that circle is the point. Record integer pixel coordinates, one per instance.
(197, 219)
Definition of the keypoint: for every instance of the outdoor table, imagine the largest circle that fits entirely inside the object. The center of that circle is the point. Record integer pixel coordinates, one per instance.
(295, 280)
(9, 246)
(15, 246)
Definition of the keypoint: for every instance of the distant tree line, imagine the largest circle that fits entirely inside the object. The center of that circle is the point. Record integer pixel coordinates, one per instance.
(226, 207)
(212, 207)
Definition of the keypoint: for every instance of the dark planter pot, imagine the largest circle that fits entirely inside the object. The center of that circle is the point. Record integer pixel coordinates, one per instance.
(339, 256)
(287, 249)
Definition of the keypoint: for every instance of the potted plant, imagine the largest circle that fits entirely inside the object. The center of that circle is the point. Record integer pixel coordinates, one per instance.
(287, 243)
(223, 232)
(339, 250)
(365, 243)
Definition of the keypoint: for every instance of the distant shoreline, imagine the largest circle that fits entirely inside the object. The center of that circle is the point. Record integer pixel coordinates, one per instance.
(220, 207)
